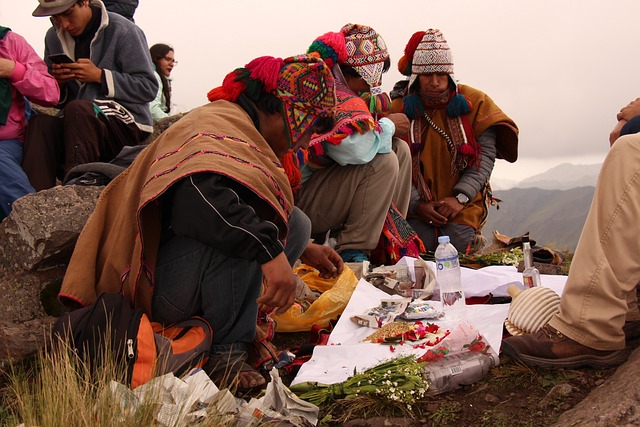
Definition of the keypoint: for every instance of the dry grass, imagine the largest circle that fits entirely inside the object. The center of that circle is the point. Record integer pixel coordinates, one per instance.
(60, 389)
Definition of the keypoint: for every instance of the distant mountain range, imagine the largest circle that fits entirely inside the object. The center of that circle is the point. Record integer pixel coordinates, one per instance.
(561, 177)
(551, 206)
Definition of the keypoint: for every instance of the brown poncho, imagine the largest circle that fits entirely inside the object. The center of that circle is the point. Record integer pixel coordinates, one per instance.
(117, 249)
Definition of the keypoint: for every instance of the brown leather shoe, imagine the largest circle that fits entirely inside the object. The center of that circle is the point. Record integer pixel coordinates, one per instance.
(549, 348)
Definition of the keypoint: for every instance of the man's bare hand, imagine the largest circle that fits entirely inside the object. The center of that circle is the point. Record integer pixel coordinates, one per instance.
(86, 71)
(615, 133)
(402, 124)
(280, 284)
(62, 73)
(429, 213)
(449, 207)
(323, 258)
(630, 110)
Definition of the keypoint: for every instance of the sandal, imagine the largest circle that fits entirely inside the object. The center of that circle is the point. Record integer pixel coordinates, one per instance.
(230, 370)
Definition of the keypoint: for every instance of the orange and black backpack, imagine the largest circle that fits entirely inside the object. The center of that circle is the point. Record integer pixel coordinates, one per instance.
(147, 349)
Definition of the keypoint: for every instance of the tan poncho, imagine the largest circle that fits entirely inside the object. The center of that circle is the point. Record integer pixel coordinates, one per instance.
(117, 249)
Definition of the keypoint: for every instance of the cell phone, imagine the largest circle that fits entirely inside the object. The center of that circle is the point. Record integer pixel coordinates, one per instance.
(60, 58)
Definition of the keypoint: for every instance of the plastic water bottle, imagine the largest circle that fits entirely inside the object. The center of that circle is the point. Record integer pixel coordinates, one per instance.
(448, 278)
(456, 370)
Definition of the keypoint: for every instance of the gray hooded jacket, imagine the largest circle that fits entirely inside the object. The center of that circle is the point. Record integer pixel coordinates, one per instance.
(120, 49)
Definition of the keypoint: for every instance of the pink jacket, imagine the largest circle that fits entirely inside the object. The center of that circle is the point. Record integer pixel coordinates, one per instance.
(29, 78)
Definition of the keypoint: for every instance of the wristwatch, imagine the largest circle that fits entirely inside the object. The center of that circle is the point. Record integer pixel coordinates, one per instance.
(462, 198)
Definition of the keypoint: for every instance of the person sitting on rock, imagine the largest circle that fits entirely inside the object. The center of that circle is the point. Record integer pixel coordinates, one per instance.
(199, 221)
(598, 307)
(23, 74)
(106, 90)
(164, 60)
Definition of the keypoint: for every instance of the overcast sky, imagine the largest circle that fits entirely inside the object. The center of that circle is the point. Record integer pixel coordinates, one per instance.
(560, 69)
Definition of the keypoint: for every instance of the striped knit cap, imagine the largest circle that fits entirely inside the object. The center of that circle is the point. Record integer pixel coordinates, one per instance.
(431, 55)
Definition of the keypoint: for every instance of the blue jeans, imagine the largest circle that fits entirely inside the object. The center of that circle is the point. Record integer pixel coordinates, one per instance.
(13, 181)
(193, 279)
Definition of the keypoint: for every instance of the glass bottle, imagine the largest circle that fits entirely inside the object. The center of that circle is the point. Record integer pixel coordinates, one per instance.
(530, 275)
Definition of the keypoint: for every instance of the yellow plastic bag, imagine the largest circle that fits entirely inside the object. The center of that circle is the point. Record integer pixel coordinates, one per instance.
(335, 296)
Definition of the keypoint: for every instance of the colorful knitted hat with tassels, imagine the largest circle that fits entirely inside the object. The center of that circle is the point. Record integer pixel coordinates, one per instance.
(430, 55)
(303, 83)
(427, 52)
(352, 113)
(366, 53)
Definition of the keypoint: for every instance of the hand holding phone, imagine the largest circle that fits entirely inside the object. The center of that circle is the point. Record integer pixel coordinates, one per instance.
(60, 58)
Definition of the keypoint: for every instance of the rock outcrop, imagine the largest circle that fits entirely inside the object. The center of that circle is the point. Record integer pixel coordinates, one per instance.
(614, 403)
(36, 243)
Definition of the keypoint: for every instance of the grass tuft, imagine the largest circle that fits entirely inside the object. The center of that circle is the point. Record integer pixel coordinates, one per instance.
(61, 389)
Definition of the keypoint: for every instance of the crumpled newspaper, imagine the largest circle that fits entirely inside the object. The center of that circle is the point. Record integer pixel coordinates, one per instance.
(187, 401)
(278, 404)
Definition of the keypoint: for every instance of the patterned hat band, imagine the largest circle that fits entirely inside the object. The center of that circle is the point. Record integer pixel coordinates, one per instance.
(432, 69)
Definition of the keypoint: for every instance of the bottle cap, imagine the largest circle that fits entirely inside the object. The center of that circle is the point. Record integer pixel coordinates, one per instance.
(443, 239)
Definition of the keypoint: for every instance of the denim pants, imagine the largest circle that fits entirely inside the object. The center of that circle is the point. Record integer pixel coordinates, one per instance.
(13, 181)
(193, 279)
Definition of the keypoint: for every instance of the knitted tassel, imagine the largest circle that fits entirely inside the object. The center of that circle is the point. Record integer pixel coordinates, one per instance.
(378, 104)
(231, 87)
(413, 107)
(467, 150)
(302, 155)
(315, 150)
(470, 149)
(331, 47)
(458, 105)
(290, 164)
(253, 88)
(404, 65)
(413, 43)
(266, 69)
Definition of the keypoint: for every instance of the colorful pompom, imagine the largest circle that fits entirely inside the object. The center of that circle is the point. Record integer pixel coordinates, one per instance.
(266, 69)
